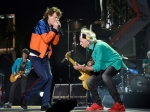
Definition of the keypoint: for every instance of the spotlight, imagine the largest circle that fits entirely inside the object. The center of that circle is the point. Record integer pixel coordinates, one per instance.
(41, 94)
(9, 16)
(133, 71)
(2, 17)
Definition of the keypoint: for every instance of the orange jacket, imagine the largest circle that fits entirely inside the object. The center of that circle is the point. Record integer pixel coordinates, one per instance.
(42, 38)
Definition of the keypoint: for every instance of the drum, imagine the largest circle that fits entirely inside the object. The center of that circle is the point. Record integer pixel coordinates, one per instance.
(139, 83)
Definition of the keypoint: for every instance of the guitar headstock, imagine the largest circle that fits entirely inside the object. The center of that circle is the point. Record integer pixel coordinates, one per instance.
(68, 54)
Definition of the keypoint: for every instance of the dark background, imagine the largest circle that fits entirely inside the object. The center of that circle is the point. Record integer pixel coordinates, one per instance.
(27, 13)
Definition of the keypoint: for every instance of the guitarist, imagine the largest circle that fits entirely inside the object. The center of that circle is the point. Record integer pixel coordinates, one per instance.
(146, 65)
(106, 64)
(21, 64)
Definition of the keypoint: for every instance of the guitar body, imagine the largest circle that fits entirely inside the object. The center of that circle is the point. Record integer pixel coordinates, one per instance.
(13, 78)
(85, 75)
(18, 75)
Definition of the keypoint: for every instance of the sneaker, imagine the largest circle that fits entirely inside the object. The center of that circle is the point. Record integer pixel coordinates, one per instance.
(23, 103)
(45, 108)
(95, 106)
(117, 107)
(7, 105)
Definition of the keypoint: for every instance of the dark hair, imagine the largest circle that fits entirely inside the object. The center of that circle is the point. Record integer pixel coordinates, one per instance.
(51, 11)
(25, 50)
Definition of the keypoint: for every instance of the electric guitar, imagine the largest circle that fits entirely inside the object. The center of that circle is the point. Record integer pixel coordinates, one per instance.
(85, 75)
(19, 74)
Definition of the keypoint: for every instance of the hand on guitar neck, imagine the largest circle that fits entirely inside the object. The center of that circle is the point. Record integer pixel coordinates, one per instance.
(85, 75)
(90, 63)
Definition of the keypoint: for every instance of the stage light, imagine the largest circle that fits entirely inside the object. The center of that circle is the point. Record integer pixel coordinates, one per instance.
(9, 16)
(41, 94)
(2, 17)
(133, 71)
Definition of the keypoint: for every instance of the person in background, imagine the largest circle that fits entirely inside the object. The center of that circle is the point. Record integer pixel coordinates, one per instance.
(146, 65)
(105, 63)
(24, 65)
(45, 34)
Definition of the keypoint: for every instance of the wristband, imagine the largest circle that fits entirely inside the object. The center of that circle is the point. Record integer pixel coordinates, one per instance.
(83, 68)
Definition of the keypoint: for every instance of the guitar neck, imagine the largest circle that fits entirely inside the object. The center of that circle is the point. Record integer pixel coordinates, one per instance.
(23, 72)
(73, 63)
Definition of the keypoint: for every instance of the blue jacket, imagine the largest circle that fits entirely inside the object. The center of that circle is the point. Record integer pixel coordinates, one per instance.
(17, 64)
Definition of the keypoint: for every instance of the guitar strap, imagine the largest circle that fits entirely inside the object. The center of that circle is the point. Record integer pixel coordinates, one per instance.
(22, 66)
(89, 54)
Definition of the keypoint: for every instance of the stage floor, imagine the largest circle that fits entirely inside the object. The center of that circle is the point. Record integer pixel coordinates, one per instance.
(76, 109)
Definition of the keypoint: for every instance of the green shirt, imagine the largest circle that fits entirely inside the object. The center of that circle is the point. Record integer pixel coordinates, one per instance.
(104, 56)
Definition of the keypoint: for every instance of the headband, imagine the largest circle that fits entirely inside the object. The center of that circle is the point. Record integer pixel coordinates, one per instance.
(83, 35)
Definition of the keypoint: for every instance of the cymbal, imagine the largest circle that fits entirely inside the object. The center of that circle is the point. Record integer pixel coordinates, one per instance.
(129, 64)
(75, 25)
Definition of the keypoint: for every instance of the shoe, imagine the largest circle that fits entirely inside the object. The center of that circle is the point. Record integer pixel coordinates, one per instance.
(45, 108)
(7, 105)
(23, 102)
(95, 106)
(117, 107)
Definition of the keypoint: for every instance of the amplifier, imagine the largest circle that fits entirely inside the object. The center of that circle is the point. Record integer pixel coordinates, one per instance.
(61, 91)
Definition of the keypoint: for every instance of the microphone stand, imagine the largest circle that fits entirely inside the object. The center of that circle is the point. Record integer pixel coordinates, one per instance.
(73, 85)
(68, 61)
(60, 88)
(74, 45)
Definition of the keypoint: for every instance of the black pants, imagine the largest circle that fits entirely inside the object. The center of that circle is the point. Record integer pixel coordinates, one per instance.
(21, 81)
(106, 76)
(141, 9)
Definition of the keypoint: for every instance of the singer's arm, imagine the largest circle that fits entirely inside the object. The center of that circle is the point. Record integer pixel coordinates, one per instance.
(52, 35)
(55, 39)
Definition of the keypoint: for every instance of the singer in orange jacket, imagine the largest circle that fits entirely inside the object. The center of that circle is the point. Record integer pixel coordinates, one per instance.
(45, 33)
(42, 38)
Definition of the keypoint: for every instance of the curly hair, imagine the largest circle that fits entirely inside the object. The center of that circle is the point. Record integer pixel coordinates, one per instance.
(25, 50)
(51, 11)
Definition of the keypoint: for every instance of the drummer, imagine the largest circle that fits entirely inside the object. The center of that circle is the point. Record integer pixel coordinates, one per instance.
(146, 65)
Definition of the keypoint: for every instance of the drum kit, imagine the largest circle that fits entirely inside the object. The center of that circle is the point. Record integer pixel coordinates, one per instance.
(131, 81)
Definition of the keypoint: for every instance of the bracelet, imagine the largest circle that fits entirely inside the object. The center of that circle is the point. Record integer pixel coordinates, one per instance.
(83, 68)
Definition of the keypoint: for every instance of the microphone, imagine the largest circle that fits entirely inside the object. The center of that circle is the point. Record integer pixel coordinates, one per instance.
(66, 57)
(60, 30)
(63, 60)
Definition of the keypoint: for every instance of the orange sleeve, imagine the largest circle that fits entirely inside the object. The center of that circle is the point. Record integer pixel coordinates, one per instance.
(47, 37)
(56, 40)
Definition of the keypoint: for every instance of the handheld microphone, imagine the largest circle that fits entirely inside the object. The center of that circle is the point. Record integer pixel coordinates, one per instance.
(60, 30)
